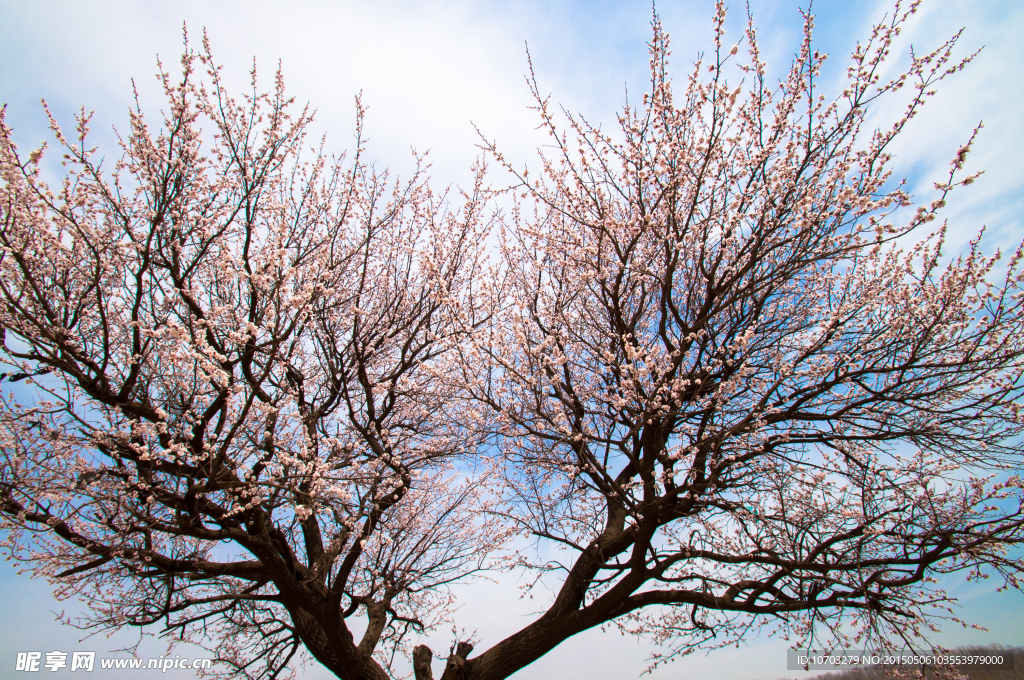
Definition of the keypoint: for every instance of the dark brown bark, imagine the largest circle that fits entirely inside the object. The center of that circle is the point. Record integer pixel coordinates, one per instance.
(421, 658)
(457, 667)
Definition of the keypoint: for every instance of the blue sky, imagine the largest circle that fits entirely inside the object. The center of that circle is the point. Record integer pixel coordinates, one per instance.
(428, 70)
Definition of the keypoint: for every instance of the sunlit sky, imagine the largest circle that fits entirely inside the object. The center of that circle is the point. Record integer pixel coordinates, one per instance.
(429, 71)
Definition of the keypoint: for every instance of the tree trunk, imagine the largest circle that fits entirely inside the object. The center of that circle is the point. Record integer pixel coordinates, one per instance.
(456, 668)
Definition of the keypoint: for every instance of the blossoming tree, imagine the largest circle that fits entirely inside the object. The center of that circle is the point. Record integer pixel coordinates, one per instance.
(723, 389)
(712, 360)
(234, 345)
